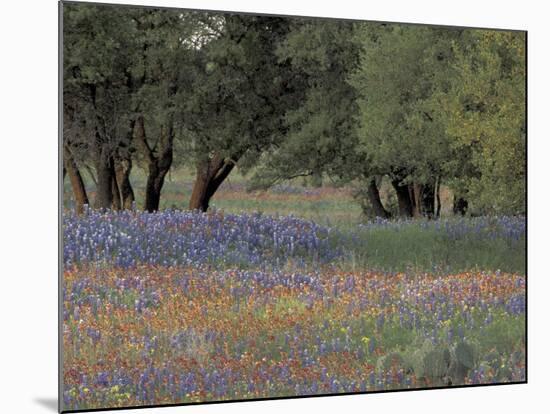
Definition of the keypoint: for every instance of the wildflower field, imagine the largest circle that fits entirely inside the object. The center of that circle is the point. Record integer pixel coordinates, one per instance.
(280, 206)
(182, 307)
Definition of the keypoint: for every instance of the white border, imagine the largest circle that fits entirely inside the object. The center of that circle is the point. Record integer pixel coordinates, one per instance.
(28, 203)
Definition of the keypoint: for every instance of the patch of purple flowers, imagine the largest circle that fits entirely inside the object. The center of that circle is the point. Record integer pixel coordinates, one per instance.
(172, 237)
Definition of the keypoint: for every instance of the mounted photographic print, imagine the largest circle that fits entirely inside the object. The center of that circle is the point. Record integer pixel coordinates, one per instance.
(259, 207)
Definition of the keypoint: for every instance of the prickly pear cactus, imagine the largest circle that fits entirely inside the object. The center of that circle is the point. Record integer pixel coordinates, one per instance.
(464, 354)
(436, 364)
(417, 362)
(463, 360)
(415, 358)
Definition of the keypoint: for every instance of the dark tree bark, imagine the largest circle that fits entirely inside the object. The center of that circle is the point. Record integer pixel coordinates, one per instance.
(415, 194)
(438, 197)
(117, 204)
(316, 179)
(428, 200)
(375, 201)
(123, 167)
(103, 159)
(460, 206)
(403, 198)
(77, 184)
(210, 175)
(198, 199)
(422, 197)
(157, 165)
(104, 193)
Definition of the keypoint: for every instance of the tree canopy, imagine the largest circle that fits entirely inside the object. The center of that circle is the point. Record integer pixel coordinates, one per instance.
(280, 97)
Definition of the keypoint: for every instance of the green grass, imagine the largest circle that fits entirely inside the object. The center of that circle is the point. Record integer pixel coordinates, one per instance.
(417, 249)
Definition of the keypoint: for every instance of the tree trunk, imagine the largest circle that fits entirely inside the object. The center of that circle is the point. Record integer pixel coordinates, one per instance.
(198, 200)
(316, 179)
(403, 198)
(155, 182)
(91, 174)
(157, 166)
(438, 197)
(415, 194)
(77, 184)
(104, 193)
(123, 167)
(422, 198)
(117, 205)
(428, 200)
(460, 206)
(210, 175)
(375, 201)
